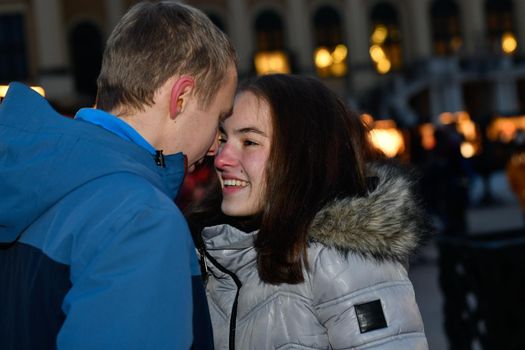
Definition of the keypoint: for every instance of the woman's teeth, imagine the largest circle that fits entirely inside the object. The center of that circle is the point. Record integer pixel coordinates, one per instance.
(235, 183)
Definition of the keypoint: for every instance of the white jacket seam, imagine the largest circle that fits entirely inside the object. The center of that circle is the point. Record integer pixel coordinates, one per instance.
(253, 311)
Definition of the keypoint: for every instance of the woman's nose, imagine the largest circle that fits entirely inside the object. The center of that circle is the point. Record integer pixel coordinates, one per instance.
(225, 156)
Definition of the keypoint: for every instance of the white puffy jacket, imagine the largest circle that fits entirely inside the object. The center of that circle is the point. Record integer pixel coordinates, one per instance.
(356, 294)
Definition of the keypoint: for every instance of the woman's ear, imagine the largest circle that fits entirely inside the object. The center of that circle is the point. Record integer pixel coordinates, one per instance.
(180, 93)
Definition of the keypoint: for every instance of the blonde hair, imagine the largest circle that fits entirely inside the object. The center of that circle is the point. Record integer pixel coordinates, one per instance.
(155, 41)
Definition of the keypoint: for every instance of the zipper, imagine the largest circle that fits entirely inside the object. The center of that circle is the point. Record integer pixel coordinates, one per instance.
(159, 159)
(233, 317)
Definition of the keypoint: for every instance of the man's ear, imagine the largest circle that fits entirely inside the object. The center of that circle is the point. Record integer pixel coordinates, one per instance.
(180, 93)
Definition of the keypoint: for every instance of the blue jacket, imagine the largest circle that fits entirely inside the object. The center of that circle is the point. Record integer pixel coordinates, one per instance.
(94, 254)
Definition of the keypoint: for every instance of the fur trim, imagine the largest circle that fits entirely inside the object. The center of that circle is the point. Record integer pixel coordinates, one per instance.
(388, 224)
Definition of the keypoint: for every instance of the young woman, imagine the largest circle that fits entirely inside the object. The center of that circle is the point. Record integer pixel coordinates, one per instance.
(306, 243)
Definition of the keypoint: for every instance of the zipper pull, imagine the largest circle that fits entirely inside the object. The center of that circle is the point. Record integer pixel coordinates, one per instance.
(159, 159)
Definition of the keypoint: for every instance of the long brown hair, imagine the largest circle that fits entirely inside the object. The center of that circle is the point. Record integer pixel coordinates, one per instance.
(318, 154)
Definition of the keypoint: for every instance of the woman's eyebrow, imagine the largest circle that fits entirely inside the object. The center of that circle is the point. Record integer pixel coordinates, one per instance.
(243, 130)
(249, 129)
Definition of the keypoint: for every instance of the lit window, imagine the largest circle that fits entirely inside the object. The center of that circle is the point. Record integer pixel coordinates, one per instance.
(446, 33)
(500, 28)
(330, 54)
(270, 62)
(385, 39)
(270, 56)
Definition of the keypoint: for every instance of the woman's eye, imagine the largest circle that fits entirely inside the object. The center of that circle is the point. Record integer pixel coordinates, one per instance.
(222, 139)
(249, 143)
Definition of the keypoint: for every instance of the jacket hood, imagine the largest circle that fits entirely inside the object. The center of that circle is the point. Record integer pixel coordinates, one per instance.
(44, 156)
(388, 224)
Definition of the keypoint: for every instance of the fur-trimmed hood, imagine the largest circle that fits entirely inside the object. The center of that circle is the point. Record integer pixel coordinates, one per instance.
(388, 224)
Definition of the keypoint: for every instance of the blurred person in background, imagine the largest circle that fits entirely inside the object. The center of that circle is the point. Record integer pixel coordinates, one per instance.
(516, 169)
(446, 182)
(94, 253)
(306, 237)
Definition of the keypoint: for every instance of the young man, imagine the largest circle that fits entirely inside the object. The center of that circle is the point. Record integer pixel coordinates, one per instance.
(94, 253)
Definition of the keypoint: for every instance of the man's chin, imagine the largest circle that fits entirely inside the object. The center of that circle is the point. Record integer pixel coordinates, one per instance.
(191, 167)
(194, 165)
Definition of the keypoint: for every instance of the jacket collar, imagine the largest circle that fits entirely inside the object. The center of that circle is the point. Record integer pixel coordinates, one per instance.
(114, 124)
(172, 167)
(231, 247)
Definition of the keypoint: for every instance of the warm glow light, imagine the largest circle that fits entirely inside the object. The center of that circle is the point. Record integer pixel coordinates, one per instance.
(504, 129)
(467, 149)
(456, 43)
(385, 55)
(508, 43)
(276, 63)
(468, 129)
(323, 58)
(389, 141)
(40, 90)
(331, 62)
(386, 137)
(428, 141)
(508, 130)
(383, 66)
(385, 124)
(464, 125)
(269, 62)
(4, 88)
(367, 119)
(446, 118)
(340, 53)
(462, 116)
(379, 35)
(338, 69)
(377, 53)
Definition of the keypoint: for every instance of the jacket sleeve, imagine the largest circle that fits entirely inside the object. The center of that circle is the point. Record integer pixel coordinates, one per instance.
(202, 327)
(131, 288)
(365, 303)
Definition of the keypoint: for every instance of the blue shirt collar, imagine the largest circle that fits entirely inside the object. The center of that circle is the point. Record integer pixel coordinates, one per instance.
(115, 125)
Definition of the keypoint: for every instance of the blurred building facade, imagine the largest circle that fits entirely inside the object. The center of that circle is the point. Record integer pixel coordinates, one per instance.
(408, 60)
